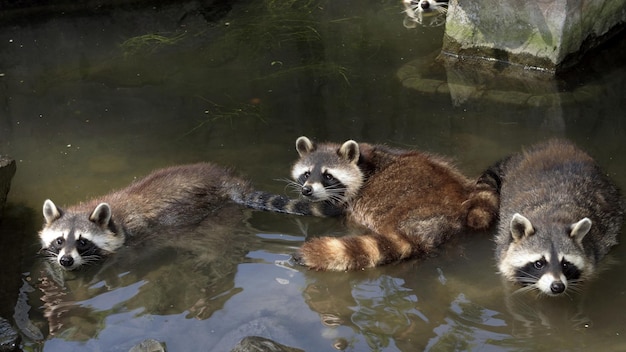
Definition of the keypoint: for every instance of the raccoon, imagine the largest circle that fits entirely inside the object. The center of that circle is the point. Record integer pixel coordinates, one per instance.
(559, 216)
(411, 202)
(429, 13)
(171, 198)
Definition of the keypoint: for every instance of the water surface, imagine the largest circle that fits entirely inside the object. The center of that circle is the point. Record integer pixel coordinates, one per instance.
(95, 100)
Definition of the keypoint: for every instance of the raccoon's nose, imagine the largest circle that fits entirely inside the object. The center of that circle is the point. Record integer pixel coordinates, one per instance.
(307, 191)
(557, 287)
(424, 5)
(66, 261)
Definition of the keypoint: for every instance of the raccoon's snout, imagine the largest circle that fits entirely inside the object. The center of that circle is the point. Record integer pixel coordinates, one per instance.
(66, 261)
(424, 5)
(557, 287)
(307, 191)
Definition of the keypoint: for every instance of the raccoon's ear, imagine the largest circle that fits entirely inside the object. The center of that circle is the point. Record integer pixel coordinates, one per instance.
(50, 211)
(350, 151)
(520, 227)
(101, 215)
(304, 146)
(580, 229)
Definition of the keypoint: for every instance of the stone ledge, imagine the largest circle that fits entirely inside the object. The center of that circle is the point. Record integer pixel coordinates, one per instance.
(545, 36)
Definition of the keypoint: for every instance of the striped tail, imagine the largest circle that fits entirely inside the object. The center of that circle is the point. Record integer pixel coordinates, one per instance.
(356, 252)
(281, 204)
(483, 202)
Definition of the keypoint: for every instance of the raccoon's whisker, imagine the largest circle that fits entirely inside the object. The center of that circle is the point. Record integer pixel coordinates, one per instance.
(336, 189)
(524, 289)
(575, 286)
(91, 259)
(337, 192)
(290, 183)
(284, 179)
(51, 259)
(527, 278)
(49, 254)
(336, 199)
(291, 186)
(294, 188)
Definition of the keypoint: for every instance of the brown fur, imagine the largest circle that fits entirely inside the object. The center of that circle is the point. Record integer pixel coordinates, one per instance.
(167, 199)
(411, 201)
(173, 197)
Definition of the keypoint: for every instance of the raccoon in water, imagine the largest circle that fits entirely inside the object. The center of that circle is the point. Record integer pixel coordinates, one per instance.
(168, 198)
(559, 216)
(411, 202)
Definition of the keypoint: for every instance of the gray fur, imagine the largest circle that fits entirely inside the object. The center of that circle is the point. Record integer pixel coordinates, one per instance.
(170, 198)
(553, 195)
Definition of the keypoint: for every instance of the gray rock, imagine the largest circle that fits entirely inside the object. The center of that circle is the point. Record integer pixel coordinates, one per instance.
(544, 35)
(149, 345)
(261, 344)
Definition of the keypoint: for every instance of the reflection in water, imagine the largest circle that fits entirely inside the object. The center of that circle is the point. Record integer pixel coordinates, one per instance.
(413, 305)
(420, 306)
(190, 272)
(537, 315)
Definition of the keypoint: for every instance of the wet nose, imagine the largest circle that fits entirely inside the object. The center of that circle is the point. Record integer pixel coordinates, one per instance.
(557, 287)
(424, 5)
(307, 191)
(66, 261)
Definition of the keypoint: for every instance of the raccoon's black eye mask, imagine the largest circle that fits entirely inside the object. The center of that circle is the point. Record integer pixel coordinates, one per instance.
(84, 245)
(57, 244)
(305, 176)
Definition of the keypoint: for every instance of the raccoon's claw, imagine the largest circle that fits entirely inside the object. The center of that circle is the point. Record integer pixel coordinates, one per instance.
(298, 259)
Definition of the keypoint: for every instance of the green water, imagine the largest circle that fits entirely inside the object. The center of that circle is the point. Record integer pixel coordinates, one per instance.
(92, 101)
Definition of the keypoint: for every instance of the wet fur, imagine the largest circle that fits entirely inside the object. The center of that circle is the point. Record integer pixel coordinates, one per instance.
(170, 198)
(428, 13)
(411, 202)
(555, 186)
(413, 7)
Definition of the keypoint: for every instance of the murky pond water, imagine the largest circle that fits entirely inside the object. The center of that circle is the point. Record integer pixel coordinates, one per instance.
(93, 101)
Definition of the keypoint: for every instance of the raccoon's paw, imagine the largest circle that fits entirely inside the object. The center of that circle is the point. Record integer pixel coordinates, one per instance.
(298, 259)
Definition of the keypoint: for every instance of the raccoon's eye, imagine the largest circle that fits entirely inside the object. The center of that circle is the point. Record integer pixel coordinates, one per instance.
(82, 243)
(306, 174)
(58, 243)
(328, 177)
(539, 264)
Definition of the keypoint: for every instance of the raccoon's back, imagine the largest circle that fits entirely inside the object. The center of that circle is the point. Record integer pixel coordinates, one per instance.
(553, 175)
(411, 203)
(177, 196)
(556, 181)
(412, 185)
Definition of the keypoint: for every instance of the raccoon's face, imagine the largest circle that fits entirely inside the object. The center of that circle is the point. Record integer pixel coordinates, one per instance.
(425, 6)
(75, 239)
(70, 249)
(327, 172)
(428, 13)
(552, 261)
